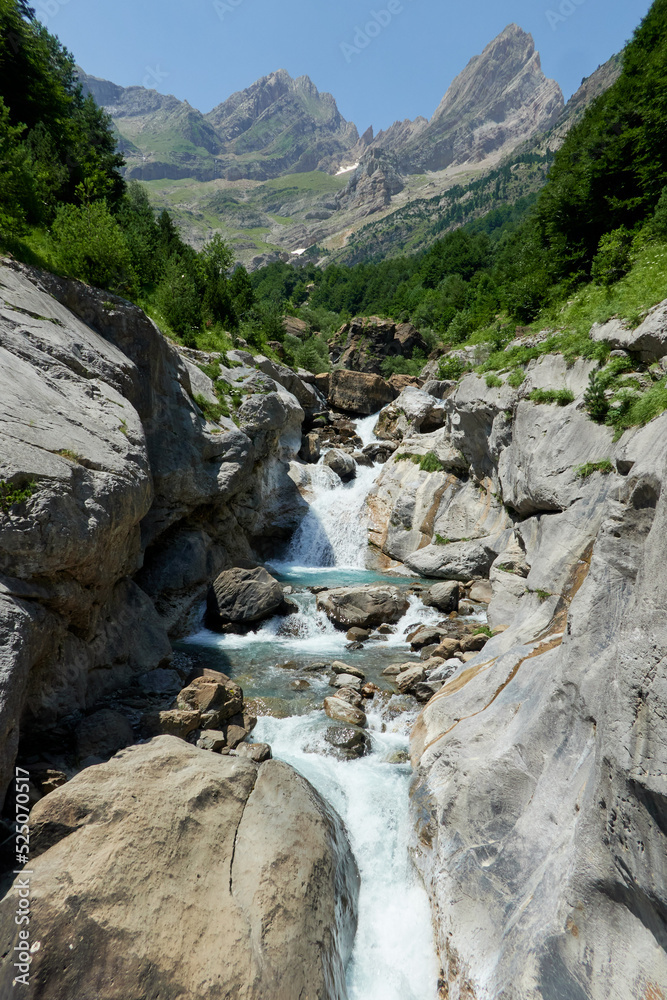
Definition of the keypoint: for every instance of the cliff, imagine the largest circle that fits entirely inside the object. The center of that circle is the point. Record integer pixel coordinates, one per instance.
(538, 795)
(132, 500)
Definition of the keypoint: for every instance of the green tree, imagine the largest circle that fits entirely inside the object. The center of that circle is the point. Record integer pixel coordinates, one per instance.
(179, 301)
(90, 245)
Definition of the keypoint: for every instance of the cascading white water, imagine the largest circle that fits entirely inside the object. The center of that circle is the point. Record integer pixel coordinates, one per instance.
(394, 954)
(334, 532)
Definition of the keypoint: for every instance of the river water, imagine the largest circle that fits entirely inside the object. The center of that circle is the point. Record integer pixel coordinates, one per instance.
(394, 954)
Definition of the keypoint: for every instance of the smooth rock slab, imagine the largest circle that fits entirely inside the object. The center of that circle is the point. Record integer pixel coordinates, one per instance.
(457, 561)
(248, 888)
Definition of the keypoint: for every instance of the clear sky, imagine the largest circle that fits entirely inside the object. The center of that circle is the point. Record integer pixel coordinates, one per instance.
(204, 50)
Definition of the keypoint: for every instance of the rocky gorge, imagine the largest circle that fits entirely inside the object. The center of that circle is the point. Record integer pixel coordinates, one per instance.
(445, 557)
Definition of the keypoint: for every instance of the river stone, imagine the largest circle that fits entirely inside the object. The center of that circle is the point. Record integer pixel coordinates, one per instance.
(424, 690)
(407, 679)
(363, 607)
(341, 463)
(447, 648)
(393, 670)
(473, 643)
(212, 739)
(427, 635)
(339, 667)
(347, 680)
(102, 734)
(358, 634)
(443, 596)
(243, 597)
(444, 671)
(310, 448)
(215, 700)
(351, 695)
(173, 722)
(481, 592)
(275, 866)
(259, 752)
(348, 743)
(341, 711)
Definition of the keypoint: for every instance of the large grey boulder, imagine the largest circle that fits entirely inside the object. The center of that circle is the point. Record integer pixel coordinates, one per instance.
(250, 854)
(363, 607)
(341, 463)
(243, 597)
(457, 561)
(309, 398)
(648, 341)
(443, 596)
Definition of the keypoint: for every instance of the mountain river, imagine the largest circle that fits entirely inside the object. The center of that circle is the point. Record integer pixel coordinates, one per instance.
(394, 956)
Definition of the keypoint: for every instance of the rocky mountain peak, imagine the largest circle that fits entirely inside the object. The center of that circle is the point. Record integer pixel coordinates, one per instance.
(500, 98)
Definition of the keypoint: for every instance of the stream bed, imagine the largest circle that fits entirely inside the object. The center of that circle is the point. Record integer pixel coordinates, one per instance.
(277, 666)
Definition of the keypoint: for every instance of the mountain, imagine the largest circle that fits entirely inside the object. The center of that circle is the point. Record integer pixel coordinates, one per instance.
(500, 99)
(280, 125)
(276, 168)
(276, 126)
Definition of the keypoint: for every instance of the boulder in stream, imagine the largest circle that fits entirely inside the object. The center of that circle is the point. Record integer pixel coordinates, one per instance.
(342, 711)
(341, 463)
(348, 743)
(228, 854)
(240, 598)
(363, 607)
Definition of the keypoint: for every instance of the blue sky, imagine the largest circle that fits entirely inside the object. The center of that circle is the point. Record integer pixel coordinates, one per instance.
(204, 50)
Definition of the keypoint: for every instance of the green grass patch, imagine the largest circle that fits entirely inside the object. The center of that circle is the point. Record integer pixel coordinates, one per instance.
(427, 463)
(483, 630)
(439, 540)
(10, 495)
(584, 471)
(212, 411)
(493, 382)
(559, 396)
(516, 378)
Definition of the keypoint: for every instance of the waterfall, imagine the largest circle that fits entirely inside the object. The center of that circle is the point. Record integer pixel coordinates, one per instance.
(334, 532)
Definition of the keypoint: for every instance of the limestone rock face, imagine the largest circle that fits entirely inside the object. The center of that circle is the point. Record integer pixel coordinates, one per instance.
(561, 706)
(358, 393)
(306, 395)
(363, 607)
(243, 597)
(132, 501)
(363, 343)
(249, 852)
(415, 411)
